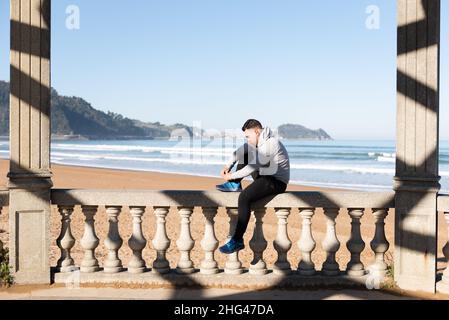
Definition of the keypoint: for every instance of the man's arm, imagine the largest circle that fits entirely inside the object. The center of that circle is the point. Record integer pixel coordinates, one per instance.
(235, 156)
(264, 158)
(245, 171)
(248, 170)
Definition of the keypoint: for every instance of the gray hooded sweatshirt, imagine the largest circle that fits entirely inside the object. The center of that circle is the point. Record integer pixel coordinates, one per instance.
(270, 157)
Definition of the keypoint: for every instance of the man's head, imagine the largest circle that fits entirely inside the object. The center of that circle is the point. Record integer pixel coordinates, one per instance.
(252, 129)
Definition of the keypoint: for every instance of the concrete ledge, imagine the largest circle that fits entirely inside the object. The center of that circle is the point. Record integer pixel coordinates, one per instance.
(59, 292)
(309, 199)
(220, 280)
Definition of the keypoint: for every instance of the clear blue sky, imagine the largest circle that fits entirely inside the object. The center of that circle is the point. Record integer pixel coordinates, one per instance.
(222, 61)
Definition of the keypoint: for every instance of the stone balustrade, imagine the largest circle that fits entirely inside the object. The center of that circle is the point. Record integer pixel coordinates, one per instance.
(138, 202)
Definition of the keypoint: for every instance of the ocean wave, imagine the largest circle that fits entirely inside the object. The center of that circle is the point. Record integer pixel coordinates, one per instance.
(363, 170)
(386, 159)
(382, 154)
(343, 168)
(208, 161)
(352, 186)
(163, 150)
(195, 160)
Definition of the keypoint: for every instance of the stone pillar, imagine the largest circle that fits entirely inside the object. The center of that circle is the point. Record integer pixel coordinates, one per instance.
(282, 244)
(417, 180)
(30, 175)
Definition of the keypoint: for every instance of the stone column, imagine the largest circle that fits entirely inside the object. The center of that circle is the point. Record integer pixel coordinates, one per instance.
(161, 242)
(282, 244)
(65, 241)
(233, 264)
(417, 180)
(30, 174)
(209, 243)
(113, 241)
(355, 244)
(331, 244)
(258, 245)
(137, 242)
(306, 243)
(380, 244)
(185, 242)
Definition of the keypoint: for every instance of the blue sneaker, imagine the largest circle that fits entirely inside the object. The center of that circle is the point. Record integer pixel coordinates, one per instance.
(230, 187)
(232, 246)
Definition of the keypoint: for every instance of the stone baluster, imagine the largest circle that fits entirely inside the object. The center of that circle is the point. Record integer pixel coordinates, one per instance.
(137, 242)
(380, 245)
(209, 243)
(330, 243)
(282, 243)
(306, 243)
(355, 244)
(113, 241)
(185, 242)
(66, 241)
(90, 241)
(233, 264)
(258, 244)
(161, 242)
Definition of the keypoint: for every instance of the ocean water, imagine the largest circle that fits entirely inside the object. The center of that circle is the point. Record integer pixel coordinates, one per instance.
(353, 164)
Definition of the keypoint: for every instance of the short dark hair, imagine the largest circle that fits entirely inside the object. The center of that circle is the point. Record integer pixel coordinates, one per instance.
(252, 124)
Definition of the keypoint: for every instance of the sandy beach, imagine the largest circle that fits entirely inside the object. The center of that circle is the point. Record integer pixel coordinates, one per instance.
(94, 178)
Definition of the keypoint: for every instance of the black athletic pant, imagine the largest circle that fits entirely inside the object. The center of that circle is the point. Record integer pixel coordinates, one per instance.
(262, 187)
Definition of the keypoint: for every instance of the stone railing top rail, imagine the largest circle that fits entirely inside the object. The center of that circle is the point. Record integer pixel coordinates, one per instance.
(306, 199)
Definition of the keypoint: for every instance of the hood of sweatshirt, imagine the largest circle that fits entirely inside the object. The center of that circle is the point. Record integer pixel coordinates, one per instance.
(266, 134)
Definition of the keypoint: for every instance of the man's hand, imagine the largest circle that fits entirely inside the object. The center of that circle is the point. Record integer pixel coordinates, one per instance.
(224, 171)
(225, 174)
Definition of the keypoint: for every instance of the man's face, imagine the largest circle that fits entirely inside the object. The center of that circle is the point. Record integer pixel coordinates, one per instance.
(252, 135)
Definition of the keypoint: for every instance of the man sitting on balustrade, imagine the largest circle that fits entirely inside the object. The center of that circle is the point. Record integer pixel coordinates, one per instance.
(264, 158)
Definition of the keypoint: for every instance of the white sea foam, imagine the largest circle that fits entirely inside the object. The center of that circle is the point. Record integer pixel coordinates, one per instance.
(381, 154)
(209, 161)
(164, 150)
(386, 159)
(183, 160)
(342, 168)
(342, 185)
